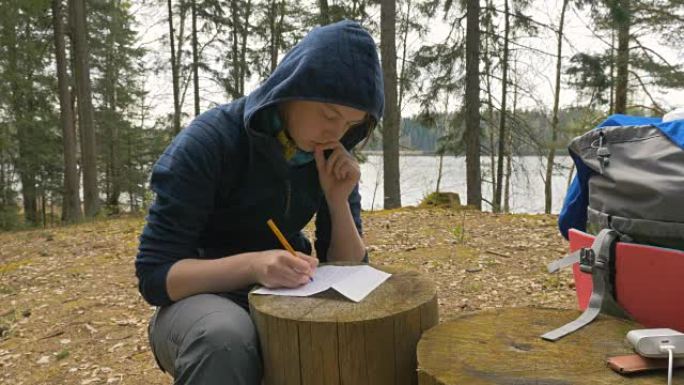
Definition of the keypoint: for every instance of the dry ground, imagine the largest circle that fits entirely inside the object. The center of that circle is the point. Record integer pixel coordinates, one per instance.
(70, 312)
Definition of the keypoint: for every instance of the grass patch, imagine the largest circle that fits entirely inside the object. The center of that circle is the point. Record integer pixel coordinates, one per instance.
(7, 289)
(64, 353)
(11, 266)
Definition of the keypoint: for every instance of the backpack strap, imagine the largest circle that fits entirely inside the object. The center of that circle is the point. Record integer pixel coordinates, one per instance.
(597, 260)
(566, 261)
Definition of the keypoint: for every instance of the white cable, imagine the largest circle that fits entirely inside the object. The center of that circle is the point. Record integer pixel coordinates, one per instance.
(669, 366)
(670, 361)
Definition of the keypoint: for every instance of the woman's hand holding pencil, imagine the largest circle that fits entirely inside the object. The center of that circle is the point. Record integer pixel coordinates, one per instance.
(279, 268)
(283, 268)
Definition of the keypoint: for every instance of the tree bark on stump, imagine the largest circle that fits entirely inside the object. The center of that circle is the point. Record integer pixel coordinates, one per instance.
(328, 339)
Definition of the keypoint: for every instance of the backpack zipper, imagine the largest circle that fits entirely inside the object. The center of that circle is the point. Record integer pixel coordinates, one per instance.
(603, 153)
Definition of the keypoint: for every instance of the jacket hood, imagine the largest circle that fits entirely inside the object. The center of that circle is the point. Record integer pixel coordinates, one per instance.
(337, 63)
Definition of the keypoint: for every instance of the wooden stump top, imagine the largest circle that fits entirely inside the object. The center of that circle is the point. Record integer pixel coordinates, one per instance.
(403, 291)
(504, 347)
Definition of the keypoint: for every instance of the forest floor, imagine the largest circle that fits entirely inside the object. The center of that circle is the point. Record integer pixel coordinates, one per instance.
(70, 312)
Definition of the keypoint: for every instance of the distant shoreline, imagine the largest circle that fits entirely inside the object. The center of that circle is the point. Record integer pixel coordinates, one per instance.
(403, 152)
(561, 152)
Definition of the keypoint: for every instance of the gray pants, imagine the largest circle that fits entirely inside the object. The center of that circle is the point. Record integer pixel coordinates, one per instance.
(206, 339)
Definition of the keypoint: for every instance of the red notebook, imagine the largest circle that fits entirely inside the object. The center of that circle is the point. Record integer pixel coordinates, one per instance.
(649, 282)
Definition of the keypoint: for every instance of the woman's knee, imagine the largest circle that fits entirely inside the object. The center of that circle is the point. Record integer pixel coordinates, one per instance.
(202, 329)
(220, 348)
(222, 330)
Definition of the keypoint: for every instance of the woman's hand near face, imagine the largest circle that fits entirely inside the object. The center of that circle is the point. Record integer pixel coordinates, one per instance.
(338, 174)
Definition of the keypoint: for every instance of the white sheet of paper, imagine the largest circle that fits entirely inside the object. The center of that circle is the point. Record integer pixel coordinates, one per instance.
(358, 285)
(354, 282)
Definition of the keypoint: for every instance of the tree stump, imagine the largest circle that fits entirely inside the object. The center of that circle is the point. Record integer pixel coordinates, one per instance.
(505, 347)
(327, 339)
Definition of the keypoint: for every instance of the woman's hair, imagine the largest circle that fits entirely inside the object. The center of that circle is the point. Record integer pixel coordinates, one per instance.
(372, 123)
(368, 125)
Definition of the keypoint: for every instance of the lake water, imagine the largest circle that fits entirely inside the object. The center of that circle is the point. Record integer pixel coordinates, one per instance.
(419, 178)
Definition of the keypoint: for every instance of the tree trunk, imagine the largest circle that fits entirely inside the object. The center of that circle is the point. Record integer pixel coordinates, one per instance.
(174, 73)
(3, 184)
(472, 105)
(611, 107)
(43, 206)
(27, 157)
(129, 168)
(85, 109)
(182, 82)
(550, 160)
(487, 56)
(28, 190)
(279, 30)
(243, 48)
(439, 170)
(501, 153)
(623, 20)
(235, 50)
(390, 137)
(110, 98)
(195, 57)
(52, 212)
(445, 124)
(71, 203)
(509, 156)
(404, 46)
(115, 191)
(507, 177)
(274, 43)
(323, 17)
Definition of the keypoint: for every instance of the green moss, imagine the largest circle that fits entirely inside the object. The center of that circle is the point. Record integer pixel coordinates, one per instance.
(441, 199)
(11, 266)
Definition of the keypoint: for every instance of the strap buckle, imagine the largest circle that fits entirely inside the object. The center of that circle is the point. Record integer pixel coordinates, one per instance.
(587, 260)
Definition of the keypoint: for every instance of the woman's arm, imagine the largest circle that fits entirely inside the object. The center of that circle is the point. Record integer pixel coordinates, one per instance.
(345, 242)
(271, 268)
(339, 175)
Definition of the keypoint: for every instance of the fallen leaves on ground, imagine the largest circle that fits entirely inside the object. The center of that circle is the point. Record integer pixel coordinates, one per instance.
(70, 312)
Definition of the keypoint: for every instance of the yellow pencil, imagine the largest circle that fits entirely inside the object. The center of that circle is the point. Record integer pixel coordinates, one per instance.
(282, 239)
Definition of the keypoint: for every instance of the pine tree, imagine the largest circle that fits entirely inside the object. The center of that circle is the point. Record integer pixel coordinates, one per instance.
(86, 126)
(71, 202)
(116, 85)
(472, 104)
(391, 119)
(28, 124)
(636, 65)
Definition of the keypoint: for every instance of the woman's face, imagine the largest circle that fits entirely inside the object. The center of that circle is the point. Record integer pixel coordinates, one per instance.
(315, 123)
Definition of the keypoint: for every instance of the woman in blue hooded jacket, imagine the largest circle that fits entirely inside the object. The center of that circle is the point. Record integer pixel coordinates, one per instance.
(280, 153)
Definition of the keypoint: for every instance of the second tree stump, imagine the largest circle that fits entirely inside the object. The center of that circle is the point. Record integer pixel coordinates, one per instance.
(504, 347)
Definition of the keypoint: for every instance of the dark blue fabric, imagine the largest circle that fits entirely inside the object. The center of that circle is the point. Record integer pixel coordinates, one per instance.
(573, 215)
(574, 211)
(224, 175)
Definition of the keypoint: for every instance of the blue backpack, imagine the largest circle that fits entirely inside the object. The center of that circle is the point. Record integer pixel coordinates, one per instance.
(630, 178)
(629, 187)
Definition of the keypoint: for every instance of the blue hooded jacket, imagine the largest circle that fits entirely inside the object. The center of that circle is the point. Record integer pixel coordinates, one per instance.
(225, 175)
(574, 211)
